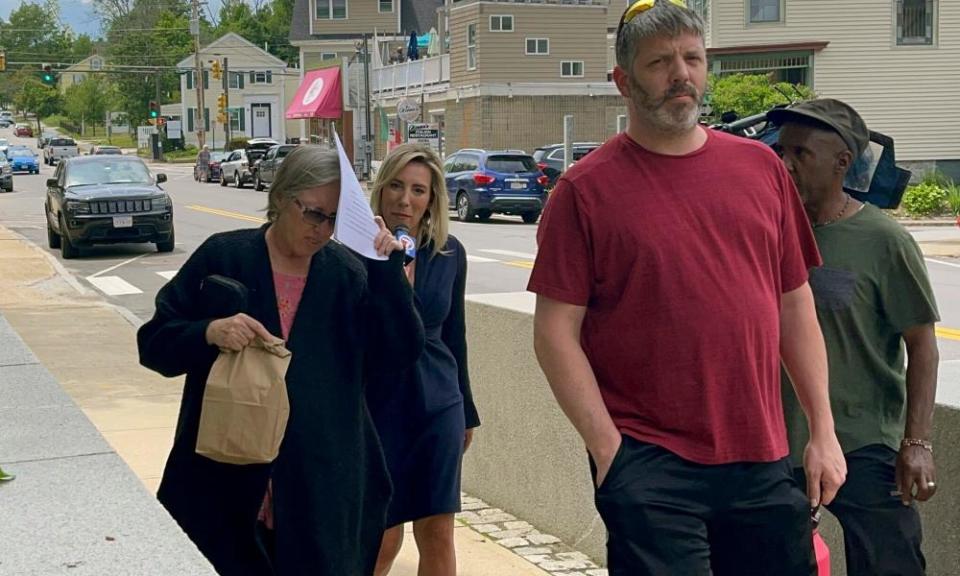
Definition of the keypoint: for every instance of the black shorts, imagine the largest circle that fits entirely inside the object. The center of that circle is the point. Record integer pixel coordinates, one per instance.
(669, 516)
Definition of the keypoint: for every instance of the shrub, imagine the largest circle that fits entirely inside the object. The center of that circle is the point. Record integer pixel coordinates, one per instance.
(235, 144)
(953, 199)
(925, 199)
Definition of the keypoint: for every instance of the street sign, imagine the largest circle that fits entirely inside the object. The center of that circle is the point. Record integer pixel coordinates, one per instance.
(143, 135)
(174, 129)
(428, 134)
(408, 110)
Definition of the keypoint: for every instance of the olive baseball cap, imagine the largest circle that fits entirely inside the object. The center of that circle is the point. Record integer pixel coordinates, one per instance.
(836, 115)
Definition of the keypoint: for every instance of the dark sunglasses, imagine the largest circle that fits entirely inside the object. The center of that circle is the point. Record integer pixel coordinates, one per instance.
(639, 7)
(313, 216)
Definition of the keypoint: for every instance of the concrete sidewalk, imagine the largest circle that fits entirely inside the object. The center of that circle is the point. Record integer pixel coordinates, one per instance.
(89, 347)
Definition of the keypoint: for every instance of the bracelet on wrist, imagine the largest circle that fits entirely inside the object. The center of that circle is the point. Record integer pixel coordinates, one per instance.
(925, 444)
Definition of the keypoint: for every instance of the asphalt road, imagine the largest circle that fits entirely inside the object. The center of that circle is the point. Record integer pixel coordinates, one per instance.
(500, 252)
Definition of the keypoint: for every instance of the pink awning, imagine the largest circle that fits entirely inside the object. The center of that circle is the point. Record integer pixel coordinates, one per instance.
(319, 96)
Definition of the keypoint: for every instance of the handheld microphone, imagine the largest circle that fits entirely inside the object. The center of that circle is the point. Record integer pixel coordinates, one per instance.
(409, 243)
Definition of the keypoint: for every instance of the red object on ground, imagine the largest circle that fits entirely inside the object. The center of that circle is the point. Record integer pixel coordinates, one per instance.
(823, 554)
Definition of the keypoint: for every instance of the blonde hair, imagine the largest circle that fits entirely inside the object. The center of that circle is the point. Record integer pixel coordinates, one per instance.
(305, 167)
(436, 220)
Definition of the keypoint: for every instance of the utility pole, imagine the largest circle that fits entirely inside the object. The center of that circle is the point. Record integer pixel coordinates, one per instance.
(227, 127)
(368, 141)
(198, 73)
(156, 82)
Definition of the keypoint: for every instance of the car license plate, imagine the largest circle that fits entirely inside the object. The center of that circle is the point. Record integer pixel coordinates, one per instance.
(518, 185)
(122, 221)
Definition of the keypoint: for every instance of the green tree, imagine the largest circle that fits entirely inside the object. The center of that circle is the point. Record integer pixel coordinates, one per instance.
(37, 97)
(33, 34)
(752, 94)
(88, 101)
(263, 23)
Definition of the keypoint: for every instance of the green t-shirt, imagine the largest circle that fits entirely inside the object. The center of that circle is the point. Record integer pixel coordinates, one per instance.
(872, 286)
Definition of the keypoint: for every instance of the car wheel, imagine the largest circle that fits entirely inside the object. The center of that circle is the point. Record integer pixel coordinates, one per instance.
(223, 179)
(464, 210)
(53, 239)
(68, 249)
(166, 246)
(237, 182)
(530, 217)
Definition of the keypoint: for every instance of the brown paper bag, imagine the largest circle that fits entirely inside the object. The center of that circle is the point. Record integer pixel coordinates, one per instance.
(245, 405)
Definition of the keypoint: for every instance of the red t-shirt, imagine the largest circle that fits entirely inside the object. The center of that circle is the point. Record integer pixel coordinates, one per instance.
(681, 262)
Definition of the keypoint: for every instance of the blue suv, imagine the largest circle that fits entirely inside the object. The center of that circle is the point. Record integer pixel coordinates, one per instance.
(482, 182)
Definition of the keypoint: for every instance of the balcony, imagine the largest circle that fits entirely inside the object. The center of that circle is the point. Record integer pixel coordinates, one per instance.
(411, 77)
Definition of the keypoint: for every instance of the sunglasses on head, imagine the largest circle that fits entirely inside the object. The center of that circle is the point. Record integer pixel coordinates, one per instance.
(639, 7)
(313, 216)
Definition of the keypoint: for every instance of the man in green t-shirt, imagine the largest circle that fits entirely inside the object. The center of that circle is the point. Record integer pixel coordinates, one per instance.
(873, 299)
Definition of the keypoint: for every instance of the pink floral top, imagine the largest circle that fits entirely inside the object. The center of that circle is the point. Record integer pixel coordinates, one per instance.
(289, 290)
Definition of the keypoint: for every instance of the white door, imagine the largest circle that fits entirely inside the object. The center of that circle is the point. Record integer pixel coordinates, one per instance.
(261, 125)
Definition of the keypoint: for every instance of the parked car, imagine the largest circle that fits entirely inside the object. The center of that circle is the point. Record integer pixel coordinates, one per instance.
(59, 148)
(481, 183)
(107, 200)
(4, 144)
(23, 160)
(6, 119)
(266, 167)
(236, 169)
(6, 174)
(550, 158)
(100, 150)
(213, 168)
(23, 131)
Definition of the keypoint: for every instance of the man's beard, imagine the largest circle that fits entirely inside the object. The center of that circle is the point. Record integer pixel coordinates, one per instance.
(658, 112)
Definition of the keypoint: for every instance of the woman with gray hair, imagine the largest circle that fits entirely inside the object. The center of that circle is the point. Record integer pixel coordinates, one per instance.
(328, 488)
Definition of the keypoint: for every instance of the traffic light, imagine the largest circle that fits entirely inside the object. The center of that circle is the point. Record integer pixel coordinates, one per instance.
(3, 61)
(215, 70)
(48, 77)
(222, 118)
(222, 103)
(154, 110)
(161, 122)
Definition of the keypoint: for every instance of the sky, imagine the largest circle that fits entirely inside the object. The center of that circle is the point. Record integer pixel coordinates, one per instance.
(79, 15)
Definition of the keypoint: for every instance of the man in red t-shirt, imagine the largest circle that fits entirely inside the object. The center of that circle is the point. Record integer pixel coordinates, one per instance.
(671, 278)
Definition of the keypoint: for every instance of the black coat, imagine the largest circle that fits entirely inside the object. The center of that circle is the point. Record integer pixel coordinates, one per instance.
(330, 485)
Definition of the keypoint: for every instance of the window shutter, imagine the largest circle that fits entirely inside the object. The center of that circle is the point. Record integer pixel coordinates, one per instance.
(253, 78)
(206, 79)
(206, 119)
(269, 77)
(240, 113)
(240, 80)
(190, 113)
(190, 80)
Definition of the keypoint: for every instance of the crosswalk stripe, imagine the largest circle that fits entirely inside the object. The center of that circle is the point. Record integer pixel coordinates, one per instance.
(113, 285)
(480, 259)
(168, 274)
(526, 255)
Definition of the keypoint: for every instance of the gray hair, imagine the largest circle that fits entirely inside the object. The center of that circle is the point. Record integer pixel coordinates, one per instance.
(305, 167)
(664, 19)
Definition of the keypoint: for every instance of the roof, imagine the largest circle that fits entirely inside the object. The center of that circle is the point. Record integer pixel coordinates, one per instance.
(85, 65)
(231, 40)
(300, 25)
(419, 15)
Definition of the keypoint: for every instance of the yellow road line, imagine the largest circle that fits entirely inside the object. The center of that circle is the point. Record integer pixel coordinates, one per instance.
(227, 214)
(948, 333)
(520, 264)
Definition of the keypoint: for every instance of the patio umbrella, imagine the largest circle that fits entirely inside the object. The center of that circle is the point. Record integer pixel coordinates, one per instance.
(413, 53)
(433, 49)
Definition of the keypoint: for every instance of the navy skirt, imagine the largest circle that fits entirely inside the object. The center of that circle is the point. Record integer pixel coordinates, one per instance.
(423, 456)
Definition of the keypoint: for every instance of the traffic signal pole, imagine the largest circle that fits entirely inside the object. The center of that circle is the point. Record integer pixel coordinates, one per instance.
(195, 24)
(226, 94)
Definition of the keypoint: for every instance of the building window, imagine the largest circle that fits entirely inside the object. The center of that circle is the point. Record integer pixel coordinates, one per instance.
(328, 56)
(792, 67)
(261, 77)
(331, 9)
(236, 80)
(766, 11)
(96, 64)
(538, 45)
(915, 22)
(191, 119)
(237, 123)
(471, 47)
(386, 5)
(501, 23)
(571, 68)
(78, 78)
